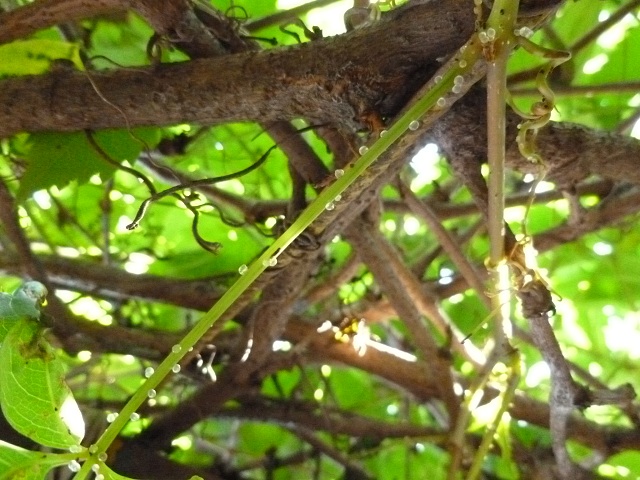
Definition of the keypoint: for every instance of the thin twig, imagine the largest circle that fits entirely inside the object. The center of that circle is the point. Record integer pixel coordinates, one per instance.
(448, 243)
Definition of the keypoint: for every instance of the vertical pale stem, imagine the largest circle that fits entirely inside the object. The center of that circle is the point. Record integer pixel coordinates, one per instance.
(501, 24)
(496, 94)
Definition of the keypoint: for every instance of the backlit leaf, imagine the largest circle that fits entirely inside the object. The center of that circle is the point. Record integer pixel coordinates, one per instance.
(59, 158)
(34, 397)
(34, 56)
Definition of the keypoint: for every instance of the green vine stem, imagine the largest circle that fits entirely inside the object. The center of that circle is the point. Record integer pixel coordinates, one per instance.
(498, 40)
(514, 373)
(451, 82)
(500, 26)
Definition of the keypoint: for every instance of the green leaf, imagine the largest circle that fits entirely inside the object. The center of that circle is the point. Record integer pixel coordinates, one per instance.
(111, 475)
(352, 389)
(33, 57)
(34, 397)
(16, 463)
(59, 158)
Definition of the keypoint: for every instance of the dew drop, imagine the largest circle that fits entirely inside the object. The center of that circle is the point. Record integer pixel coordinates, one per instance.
(484, 38)
(363, 149)
(243, 269)
(526, 32)
(93, 449)
(176, 348)
(99, 476)
(441, 102)
(74, 466)
(330, 206)
(151, 393)
(383, 133)
(462, 63)
(95, 467)
(75, 448)
(190, 349)
(338, 173)
(134, 417)
(272, 262)
(112, 417)
(102, 457)
(456, 88)
(458, 80)
(463, 48)
(414, 125)
(148, 372)
(437, 78)
(491, 33)
(265, 262)
(175, 368)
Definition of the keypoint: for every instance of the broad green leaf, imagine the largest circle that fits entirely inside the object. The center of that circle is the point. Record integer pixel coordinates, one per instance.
(351, 388)
(59, 158)
(34, 397)
(16, 463)
(34, 56)
(111, 475)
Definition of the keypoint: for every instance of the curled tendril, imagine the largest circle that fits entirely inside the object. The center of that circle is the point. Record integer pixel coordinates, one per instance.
(540, 111)
(193, 184)
(131, 171)
(209, 246)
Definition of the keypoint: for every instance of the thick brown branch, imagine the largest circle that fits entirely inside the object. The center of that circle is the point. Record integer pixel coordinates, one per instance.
(326, 81)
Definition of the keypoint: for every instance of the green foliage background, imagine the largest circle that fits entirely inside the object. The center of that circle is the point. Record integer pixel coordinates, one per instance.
(65, 188)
